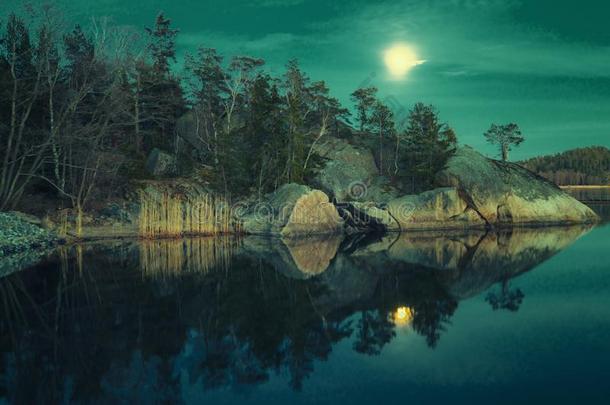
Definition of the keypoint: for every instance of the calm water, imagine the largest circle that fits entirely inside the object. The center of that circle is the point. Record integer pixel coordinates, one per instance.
(471, 318)
(590, 193)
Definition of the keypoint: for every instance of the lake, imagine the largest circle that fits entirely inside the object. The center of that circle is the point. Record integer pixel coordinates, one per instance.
(508, 317)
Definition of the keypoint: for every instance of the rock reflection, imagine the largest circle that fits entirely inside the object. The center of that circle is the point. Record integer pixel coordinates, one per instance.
(149, 321)
(295, 258)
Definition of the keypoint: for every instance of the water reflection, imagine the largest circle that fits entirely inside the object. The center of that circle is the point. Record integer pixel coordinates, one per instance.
(174, 257)
(596, 197)
(149, 321)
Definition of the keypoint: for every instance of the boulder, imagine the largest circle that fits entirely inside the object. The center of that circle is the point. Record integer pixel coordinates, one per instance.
(441, 208)
(160, 163)
(505, 193)
(293, 210)
(349, 173)
(189, 128)
(373, 217)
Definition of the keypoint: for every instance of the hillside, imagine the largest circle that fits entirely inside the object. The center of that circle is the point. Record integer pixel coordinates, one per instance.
(580, 166)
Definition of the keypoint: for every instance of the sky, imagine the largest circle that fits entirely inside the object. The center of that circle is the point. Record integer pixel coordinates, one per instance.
(544, 64)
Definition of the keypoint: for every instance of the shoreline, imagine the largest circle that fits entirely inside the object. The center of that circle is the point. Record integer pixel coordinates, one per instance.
(585, 187)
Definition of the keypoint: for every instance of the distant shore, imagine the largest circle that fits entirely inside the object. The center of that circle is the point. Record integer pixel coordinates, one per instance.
(587, 186)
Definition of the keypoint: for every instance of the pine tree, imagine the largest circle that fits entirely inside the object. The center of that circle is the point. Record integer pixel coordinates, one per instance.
(162, 45)
(505, 137)
(365, 99)
(296, 83)
(429, 143)
(159, 91)
(381, 123)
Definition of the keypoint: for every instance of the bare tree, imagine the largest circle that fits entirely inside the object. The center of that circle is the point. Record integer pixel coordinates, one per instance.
(242, 70)
(23, 152)
(89, 112)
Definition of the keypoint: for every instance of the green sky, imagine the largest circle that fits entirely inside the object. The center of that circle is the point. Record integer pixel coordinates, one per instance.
(544, 64)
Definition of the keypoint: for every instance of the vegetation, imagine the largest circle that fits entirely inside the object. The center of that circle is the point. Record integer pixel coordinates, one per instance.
(505, 137)
(365, 99)
(167, 215)
(412, 156)
(81, 109)
(428, 144)
(17, 234)
(582, 166)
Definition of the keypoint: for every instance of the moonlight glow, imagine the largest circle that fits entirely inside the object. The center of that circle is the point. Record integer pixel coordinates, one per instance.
(400, 59)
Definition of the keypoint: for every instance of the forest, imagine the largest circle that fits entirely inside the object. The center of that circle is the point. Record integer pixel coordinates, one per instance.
(581, 166)
(82, 108)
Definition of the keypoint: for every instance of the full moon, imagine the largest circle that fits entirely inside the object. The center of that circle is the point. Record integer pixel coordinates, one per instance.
(399, 59)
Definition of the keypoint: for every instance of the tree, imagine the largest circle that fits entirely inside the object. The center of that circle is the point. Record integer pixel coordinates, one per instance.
(365, 99)
(208, 88)
(505, 136)
(382, 123)
(326, 110)
(160, 98)
(264, 140)
(238, 82)
(86, 118)
(429, 143)
(581, 166)
(298, 108)
(162, 45)
(23, 149)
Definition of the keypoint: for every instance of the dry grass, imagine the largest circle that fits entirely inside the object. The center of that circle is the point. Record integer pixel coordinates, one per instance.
(165, 216)
(172, 257)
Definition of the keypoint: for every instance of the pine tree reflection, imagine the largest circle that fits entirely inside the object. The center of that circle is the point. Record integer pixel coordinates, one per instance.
(104, 322)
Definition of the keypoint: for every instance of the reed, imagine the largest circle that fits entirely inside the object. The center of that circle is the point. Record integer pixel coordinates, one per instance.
(165, 215)
(63, 224)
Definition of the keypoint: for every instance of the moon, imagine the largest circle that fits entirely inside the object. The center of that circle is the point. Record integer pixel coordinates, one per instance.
(400, 59)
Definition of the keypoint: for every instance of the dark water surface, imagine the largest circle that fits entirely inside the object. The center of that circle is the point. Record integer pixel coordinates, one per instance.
(521, 316)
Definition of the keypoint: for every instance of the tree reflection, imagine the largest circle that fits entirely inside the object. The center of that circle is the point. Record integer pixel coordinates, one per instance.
(123, 322)
(373, 331)
(505, 298)
(432, 317)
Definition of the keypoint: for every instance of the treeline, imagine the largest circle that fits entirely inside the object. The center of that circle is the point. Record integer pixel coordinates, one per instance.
(582, 166)
(80, 110)
(76, 105)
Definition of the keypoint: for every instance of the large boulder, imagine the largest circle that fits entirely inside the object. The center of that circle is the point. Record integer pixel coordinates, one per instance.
(292, 211)
(349, 173)
(160, 163)
(505, 193)
(476, 192)
(435, 209)
(441, 208)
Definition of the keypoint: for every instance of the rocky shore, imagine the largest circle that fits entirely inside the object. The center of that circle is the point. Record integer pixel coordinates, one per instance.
(474, 192)
(348, 196)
